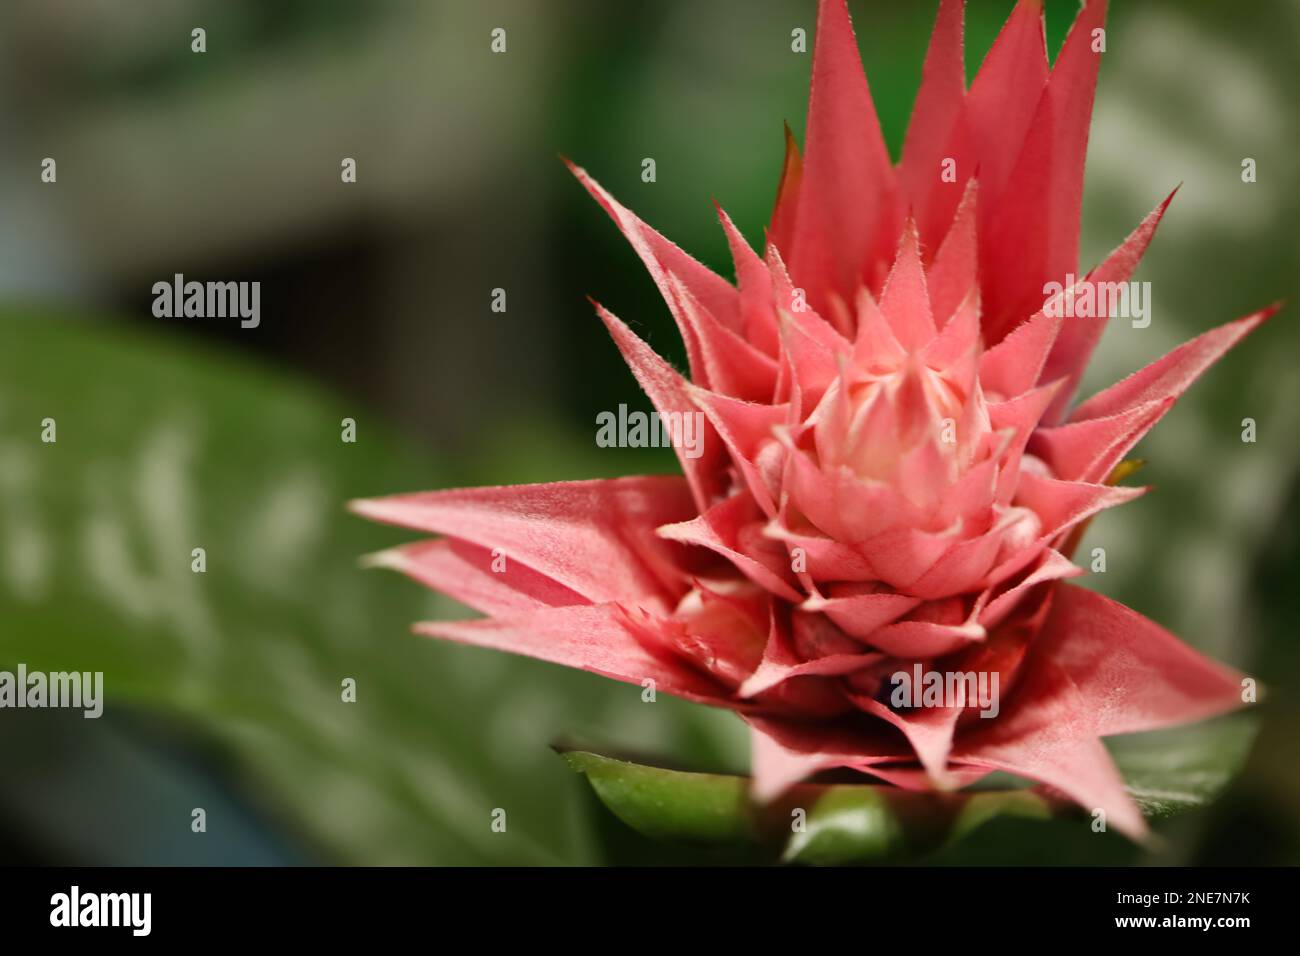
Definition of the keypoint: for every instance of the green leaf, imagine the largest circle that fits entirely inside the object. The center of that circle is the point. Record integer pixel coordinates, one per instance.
(811, 823)
(697, 808)
(1166, 772)
(1170, 771)
(163, 447)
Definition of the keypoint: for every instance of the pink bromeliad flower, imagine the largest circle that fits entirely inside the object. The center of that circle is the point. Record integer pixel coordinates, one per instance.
(892, 474)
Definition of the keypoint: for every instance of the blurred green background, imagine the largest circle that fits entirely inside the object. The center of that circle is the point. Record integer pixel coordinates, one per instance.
(223, 688)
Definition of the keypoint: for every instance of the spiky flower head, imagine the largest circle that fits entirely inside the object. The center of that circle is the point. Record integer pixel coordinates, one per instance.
(892, 477)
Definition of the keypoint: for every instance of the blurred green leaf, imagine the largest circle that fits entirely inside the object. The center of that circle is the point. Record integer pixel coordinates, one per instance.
(1166, 772)
(162, 449)
(1171, 771)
